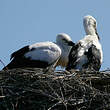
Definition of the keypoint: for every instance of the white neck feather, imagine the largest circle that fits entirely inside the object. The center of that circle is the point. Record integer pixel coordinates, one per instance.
(90, 30)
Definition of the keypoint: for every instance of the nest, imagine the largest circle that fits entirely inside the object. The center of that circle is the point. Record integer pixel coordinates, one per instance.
(35, 89)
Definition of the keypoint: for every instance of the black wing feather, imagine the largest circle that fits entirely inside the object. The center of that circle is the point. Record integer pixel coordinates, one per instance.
(94, 57)
(73, 57)
(20, 52)
(19, 61)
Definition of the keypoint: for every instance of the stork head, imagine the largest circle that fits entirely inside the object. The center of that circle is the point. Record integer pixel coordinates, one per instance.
(64, 39)
(90, 25)
(89, 21)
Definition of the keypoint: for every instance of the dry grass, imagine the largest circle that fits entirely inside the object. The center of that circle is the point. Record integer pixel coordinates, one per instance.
(33, 89)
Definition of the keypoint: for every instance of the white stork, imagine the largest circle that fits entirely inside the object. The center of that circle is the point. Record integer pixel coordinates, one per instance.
(87, 53)
(42, 54)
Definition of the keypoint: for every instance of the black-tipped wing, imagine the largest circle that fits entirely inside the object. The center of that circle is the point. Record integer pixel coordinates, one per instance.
(94, 59)
(39, 55)
(20, 52)
(73, 57)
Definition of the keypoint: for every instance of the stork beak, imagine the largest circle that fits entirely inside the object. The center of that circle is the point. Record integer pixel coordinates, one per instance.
(71, 43)
(97, 33)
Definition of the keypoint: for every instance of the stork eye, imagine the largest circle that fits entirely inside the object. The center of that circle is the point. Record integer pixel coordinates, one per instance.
(64, 39)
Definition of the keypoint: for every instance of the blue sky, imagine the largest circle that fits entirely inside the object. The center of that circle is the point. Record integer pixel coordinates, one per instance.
(24, 22)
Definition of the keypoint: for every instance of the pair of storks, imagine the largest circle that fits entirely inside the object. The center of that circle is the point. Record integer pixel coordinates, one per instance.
(86, 54)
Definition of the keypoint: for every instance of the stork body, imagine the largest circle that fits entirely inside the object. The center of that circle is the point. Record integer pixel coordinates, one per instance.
(42, 54)
(87, 52)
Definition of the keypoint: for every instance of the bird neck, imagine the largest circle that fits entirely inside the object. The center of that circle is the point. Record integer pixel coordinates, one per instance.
(64, 47)
(90, 30)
